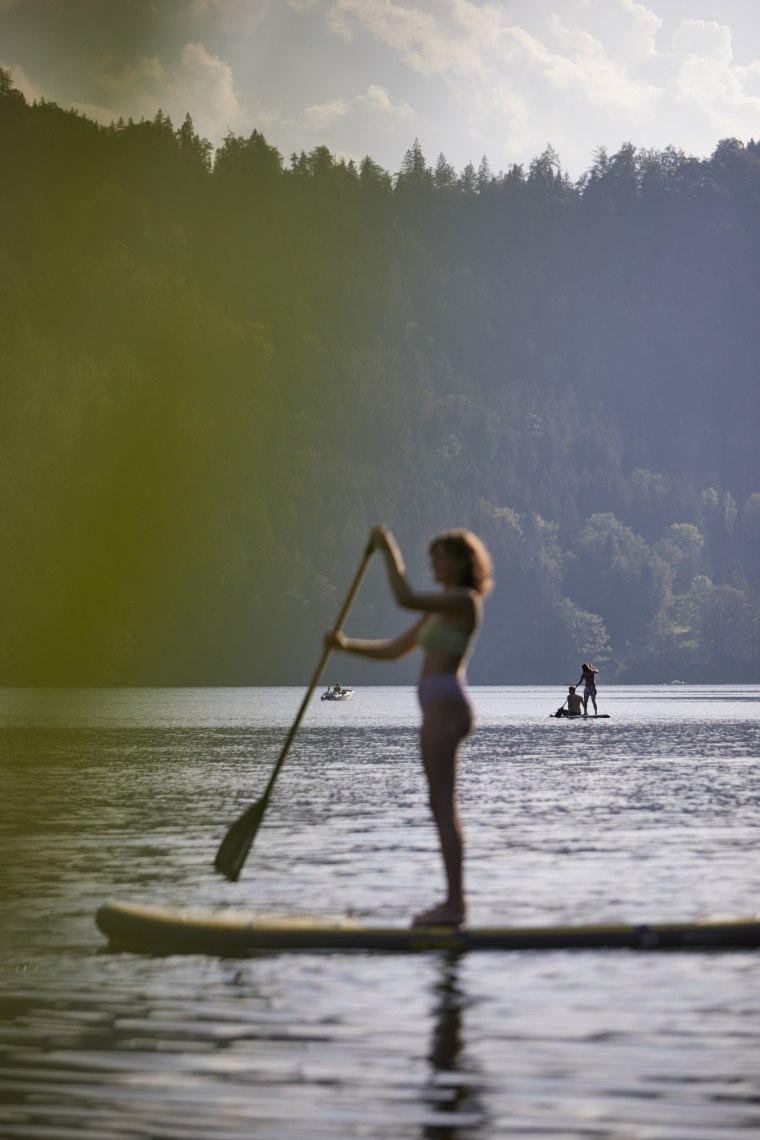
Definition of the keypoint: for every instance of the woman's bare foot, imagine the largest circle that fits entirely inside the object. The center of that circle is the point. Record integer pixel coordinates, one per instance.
(442, 915)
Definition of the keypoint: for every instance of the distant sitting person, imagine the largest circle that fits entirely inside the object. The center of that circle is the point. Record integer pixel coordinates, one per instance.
(574, 702)
(588, 677)
(445, 631)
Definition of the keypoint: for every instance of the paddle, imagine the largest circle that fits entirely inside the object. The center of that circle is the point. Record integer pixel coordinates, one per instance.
(236, 844)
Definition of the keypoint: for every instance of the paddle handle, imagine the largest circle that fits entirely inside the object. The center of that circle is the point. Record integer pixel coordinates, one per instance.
(327, 650)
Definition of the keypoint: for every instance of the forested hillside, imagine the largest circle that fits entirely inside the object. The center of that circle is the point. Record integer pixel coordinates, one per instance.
(220, 369)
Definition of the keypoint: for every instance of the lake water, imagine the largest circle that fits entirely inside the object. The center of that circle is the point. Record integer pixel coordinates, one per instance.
(651, 815)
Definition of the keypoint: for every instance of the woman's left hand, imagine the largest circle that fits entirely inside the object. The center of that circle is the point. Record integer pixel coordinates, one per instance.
(379, 536)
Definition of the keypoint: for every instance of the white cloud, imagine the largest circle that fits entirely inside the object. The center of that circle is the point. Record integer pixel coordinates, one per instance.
(711, 84)
(586, 69)
(204, 84)
(628, 29)
(200, 83)
(449, 39)
(697, 39)
(379, 99)
(22, 82)
(641, 30)
(376, 102)
(322, 115)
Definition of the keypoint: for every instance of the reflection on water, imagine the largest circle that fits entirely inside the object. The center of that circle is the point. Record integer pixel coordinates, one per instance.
(453, 1085)
(650, 815)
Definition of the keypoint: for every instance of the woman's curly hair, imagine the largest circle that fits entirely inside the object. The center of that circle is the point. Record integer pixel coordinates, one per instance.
(477, 567)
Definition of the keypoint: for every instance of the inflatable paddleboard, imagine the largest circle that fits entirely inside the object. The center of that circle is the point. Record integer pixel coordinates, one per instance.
(236, 933)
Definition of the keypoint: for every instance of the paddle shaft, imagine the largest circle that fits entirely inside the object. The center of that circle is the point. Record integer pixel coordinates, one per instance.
(236, 844)
(264, 800)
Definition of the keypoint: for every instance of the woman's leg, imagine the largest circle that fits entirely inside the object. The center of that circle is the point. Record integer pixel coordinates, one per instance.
(593, 699)
(446, 723)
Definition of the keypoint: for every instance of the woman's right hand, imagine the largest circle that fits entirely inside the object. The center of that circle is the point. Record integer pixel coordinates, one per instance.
(334, 639)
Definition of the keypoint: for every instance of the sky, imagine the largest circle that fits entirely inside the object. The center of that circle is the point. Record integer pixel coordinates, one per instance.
(467, 78)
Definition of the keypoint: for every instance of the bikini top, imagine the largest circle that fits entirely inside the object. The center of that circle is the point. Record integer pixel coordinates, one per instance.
(444, 638)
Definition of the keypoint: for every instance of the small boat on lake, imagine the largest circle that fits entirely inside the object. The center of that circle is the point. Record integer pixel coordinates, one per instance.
(337, 693)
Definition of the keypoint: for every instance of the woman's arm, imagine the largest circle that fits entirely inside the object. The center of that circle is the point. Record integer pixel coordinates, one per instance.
(383, 540)
(437, 601)
(386, 650)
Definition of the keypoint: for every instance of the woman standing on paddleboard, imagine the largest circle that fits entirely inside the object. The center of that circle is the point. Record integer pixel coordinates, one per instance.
(588, 677)
(446, 630)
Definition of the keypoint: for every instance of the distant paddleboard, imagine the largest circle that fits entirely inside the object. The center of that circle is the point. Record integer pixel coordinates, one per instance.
(235, 933)
(581, 716)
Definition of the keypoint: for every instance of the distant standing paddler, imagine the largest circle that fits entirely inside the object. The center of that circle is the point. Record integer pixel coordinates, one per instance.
(588, 679)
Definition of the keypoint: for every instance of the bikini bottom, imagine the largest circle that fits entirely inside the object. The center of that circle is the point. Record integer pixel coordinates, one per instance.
(435, 686)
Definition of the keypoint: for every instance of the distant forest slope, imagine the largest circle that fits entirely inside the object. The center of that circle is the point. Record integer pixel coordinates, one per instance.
(220, 369)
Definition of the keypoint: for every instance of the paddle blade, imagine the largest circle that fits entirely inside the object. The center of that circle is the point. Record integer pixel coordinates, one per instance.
(234, 848)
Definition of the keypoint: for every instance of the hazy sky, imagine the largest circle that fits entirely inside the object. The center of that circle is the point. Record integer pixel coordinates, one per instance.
(502, 78)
